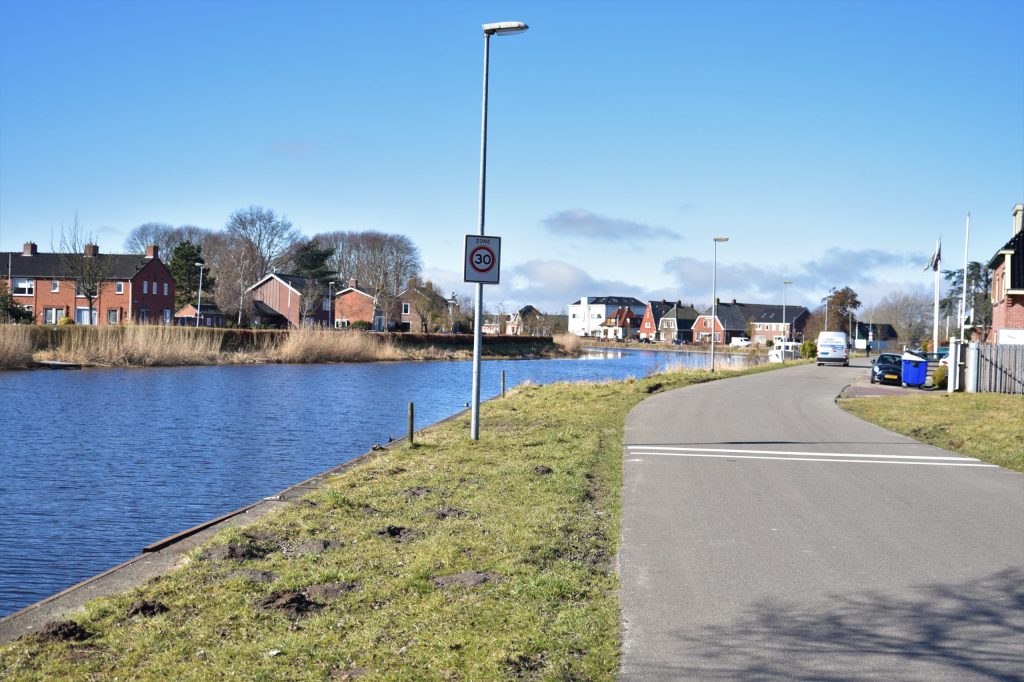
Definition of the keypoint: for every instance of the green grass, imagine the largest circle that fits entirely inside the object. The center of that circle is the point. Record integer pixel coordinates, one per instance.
(989, 426)
(551, 538)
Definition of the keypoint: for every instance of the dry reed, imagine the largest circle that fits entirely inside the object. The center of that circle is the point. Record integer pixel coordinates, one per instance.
(15, 346)
(135, 346)
(570, 343)
(309, 345)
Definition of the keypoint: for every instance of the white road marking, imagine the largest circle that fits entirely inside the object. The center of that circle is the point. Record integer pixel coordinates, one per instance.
(727, 455)
(796, 452)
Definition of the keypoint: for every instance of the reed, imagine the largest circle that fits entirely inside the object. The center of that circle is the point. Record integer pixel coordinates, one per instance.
(308, 345)
(570, 343)
(134, 345)
(15, 346)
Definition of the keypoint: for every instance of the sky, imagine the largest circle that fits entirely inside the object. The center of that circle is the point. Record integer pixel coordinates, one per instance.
(833, 142)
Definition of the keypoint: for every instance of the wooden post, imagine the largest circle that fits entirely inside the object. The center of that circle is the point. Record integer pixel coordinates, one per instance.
(502, 383)
(412, 411)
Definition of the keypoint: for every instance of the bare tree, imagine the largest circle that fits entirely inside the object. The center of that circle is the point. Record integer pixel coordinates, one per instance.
(80, 258)
(233, 263)
(430, 305)
(910, 314)
(159, 234)
(311, 299)
(267, 235)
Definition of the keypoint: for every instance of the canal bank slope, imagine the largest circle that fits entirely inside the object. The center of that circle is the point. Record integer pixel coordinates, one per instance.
(487, 560)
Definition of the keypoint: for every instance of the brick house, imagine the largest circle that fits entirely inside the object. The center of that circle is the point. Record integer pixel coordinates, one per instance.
(767, 324)
(1007, 268)
(417, 303)
(587, 316)
(652, 318)
(281, 300)
(210, 316)
(623, 324)
(135, 288)
(355, 304)
(676, 324)
(729, 323)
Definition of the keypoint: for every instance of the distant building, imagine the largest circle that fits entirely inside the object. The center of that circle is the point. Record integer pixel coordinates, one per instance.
(676, 325)
(587, 316)
(761, 322)
(282, 300)
(210, 316)
(134, 287)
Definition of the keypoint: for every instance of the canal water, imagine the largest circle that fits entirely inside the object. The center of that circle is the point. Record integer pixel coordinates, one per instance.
(94, 465)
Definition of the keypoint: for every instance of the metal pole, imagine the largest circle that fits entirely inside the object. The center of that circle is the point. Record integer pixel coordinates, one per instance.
(474, 429)
(412, 414)
(963, 294)
(502, 383)
(330, 304)
(714, 304)
(199, 305)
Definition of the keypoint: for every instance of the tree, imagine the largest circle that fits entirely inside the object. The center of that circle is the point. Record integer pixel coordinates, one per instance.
(81, 260)
(308, 258)
(430, 304)
(979, 304)
(312, 298)
(159, 234)
(910, 314)
(265, 237)
(234, 271)
(9, 310)
(183, 269)
(841, 307)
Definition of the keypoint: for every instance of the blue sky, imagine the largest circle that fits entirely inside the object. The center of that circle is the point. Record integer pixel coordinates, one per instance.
(833, 142)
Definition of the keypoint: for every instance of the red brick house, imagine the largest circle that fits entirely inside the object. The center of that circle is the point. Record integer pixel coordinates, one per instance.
(652, 318)
(355, 304)
(417, 304)
(209, 316)
(623, 324)
(1007, 268)
(281, 300)
(134, 287)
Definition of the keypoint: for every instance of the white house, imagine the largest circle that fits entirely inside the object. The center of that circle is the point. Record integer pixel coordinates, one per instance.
(587, 316)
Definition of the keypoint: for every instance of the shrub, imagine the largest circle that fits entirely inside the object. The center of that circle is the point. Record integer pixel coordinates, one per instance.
(361, 324)
(941, 376)
(808, 349)
(64, 321)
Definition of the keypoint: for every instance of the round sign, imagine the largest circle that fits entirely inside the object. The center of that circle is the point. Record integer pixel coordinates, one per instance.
(482, 259)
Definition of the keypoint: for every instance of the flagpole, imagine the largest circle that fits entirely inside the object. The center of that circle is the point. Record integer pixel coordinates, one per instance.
(963, 292)
(935, 313)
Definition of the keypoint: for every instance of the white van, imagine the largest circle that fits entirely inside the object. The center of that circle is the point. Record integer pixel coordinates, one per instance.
(783, 351)
(833, 349)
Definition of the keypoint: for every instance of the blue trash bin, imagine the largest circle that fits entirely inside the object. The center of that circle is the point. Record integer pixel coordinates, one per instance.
(915, 370)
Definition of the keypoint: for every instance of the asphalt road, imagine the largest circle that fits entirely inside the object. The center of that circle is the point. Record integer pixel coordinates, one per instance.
(783, 538)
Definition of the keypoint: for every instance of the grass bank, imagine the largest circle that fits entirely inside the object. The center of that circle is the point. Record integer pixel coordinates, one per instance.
(156, 345)
(446, 560)
(989, 426)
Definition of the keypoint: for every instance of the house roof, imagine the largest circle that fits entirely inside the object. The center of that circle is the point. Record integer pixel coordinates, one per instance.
(686, 313)
(617, 301)
(262, 308)
(208, 311)
(659, 308)
(1014, 247)
(296, 283)
(739, 315)
(881, 331)
(623, 317)
(47, 265)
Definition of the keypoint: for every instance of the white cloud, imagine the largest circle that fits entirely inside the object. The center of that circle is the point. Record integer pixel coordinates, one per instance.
(580, 222)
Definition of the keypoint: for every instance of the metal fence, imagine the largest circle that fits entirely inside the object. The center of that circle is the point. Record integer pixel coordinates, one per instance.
(1000, 369)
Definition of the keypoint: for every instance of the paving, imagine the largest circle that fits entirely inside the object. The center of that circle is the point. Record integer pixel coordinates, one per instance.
(768, 534)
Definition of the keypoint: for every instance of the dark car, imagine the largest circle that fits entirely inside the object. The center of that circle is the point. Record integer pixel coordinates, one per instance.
(887, 369)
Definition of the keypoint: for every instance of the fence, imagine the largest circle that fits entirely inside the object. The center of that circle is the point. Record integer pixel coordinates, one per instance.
(1000, 369)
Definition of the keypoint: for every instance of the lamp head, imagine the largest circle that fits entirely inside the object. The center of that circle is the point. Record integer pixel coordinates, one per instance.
(503, 27)
(721, 239)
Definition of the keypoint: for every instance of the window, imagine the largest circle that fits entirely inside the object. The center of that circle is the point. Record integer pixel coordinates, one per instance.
(145, 287)
(111, 315)
(167, 315)
(119, 287)
(83, 316)
(24, 287)
(165, 288)
(143, 312)
(327, 304)
(52, 315)
(405, 308)
(54, 286)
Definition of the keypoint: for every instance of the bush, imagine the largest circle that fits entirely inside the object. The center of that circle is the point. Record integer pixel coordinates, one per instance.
(941, 376)
(808, 349)
(64, 321)
(361, 324)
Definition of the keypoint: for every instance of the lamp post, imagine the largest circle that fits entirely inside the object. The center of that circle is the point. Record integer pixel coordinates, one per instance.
(330, 304)
(785, 329)
(199, 305)
(499, 28)
(714, 298)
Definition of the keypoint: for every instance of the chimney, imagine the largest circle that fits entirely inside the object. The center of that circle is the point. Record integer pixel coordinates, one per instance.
(734, 301)
(152, 250)
(353, 282)
(91, 250)
(29, 250)
(1018, 218)
(583, 300)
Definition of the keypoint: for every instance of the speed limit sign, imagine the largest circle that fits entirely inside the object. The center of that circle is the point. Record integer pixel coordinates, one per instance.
(483, 259)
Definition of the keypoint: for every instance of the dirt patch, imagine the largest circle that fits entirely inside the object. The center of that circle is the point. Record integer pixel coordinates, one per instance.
(416, 492)
(325, 591)
(447, 512)
(368, 510)
(465, 579)
(290, 602)
(655, 387)
(147, 608)
(317, 546)
(524, 665)
(237, 551)
(63, 631)
(542, 470)
(254, 576)
(399, 533)
(350, 674)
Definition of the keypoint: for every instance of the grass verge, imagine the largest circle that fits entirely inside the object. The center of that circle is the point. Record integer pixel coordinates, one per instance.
(446, 560)
(983, 425)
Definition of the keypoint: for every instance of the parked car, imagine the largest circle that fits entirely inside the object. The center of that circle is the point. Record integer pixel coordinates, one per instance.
(887, 369)
(740, 342)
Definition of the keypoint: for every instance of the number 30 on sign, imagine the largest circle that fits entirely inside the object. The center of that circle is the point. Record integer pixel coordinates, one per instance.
(483, 259)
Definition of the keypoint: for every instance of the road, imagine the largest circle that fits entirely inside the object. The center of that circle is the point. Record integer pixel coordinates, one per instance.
(768, 534)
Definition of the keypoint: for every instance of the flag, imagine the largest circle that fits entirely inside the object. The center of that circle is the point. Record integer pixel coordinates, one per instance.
(936, 259)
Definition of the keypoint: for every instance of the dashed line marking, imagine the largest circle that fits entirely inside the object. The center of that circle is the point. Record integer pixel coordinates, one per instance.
(799, 456)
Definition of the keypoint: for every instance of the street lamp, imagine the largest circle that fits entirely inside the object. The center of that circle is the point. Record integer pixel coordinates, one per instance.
(499, 28)
(199, 305)
(785, 329)
(714, 299)
(330, 303)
